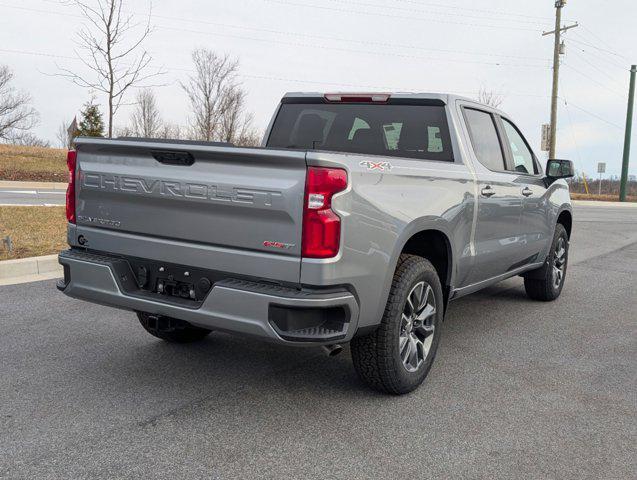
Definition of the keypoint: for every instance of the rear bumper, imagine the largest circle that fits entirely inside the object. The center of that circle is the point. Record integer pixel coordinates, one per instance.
(231, 305)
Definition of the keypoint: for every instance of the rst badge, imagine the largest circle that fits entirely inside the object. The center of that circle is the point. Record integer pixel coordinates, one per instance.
(279, 245)
(376, 166)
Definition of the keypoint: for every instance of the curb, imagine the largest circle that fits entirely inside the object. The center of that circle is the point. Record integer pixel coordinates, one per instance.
(600, 203)
(29, 269)
(33, 185)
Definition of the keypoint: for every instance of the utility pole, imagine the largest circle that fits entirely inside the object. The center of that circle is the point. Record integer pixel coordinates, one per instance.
(629, 126)
(559, 4)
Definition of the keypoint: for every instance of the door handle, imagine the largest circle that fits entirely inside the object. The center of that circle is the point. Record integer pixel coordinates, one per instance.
(526, 191)
(487, 191)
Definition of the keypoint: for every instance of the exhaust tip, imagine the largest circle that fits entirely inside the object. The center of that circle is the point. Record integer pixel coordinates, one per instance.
(333, 350)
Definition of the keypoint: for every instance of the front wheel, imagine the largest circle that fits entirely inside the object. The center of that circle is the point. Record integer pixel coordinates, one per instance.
(546, 282)
(398, 355)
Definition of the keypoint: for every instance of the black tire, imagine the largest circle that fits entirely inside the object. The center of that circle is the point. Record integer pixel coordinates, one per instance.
(171, 329)
(377, 356)
(543, 284)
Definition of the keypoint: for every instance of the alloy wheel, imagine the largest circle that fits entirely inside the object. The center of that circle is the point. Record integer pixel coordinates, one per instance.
(559, 262)
(417, 326)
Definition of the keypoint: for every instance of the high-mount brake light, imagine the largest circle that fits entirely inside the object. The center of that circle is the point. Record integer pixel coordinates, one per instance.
(71, 162)
(357, 97)
(321, 226)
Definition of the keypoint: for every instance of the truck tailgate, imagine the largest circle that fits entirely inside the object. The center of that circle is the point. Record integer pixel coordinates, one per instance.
(224, 202)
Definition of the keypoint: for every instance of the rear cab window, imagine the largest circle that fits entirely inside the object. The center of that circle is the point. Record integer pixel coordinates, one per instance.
(484, 139)
(417, 131)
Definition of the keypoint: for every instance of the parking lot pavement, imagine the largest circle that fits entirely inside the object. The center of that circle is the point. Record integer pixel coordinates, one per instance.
(520, 389)
(31, 196)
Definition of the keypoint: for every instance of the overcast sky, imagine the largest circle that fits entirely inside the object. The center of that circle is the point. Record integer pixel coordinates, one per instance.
(331, 45)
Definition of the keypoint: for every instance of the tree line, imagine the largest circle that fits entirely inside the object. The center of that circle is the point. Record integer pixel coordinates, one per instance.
(217, 102)
(110, 46)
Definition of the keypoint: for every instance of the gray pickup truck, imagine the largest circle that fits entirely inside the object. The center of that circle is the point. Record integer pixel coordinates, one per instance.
(358, 220)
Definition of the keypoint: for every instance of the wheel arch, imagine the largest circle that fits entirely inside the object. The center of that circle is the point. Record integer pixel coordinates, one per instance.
(435, 246)
(565, 218)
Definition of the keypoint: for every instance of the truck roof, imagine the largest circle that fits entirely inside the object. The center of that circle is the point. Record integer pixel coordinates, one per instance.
(445, 97)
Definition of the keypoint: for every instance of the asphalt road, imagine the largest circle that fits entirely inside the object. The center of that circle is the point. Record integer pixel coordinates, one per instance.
(519, 389)
(26, 197)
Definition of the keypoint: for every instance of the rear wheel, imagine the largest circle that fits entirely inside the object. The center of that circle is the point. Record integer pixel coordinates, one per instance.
(398, 355)
(546, 282)
(171, 329)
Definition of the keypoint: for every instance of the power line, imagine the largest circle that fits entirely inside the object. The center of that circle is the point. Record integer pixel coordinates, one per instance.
(595, 115)
(584, 75)
(347, 40)
(597, 48)
(350, 50)
(491, 12)
(599, 39)
(402, 17)
(595, 67)
(427, 12)
(269, 77)
(601, 57)
(323, 47)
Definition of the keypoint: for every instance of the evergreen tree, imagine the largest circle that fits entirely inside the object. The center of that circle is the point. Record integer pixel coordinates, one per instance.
(91, 123)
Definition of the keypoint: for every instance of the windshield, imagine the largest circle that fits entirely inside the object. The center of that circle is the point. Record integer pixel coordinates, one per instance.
(415, 131)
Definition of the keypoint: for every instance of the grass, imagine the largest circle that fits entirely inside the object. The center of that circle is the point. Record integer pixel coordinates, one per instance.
(602, 198)
(34, 231)
(33, 164)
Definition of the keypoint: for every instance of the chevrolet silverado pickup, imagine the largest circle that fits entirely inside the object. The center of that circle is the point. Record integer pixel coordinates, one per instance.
(358, 219)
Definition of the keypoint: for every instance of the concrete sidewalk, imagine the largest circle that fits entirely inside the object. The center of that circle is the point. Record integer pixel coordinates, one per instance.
(599, 203)
(33, 185)
(32, 194)
(30, 269)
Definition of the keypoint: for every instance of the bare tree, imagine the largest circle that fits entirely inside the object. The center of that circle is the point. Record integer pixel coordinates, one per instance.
(214, 78)
(125, 131)
(16, 115)
(489, 97)
(170, 131)
(146, 120)
(235, 124)
(110, 46)
(28, 140)
(64, 136)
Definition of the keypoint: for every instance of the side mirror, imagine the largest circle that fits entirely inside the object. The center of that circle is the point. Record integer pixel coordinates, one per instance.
(559, 169)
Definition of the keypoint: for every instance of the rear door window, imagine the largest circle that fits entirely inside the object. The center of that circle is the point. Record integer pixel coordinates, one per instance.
(484, 139)
(413, 131)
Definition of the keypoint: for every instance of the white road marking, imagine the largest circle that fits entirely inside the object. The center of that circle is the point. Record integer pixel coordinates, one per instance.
(24, 192)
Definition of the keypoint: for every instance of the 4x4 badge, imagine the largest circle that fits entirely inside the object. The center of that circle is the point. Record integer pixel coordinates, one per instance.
(381, 166)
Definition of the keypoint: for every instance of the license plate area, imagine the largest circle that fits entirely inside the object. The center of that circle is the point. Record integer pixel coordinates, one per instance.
(174, 283)
(173, 288)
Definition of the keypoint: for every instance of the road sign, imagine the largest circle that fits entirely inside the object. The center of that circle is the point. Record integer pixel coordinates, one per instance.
(546, 135)
(601, 167)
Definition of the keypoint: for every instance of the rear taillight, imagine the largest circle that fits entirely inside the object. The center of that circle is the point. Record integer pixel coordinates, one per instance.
(321, 226)
(71, 158)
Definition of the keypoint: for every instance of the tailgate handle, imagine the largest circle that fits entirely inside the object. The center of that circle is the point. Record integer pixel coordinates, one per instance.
(174, 158)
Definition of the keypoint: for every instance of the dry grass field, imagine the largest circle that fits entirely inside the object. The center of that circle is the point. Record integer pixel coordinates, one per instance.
(20, 163)
(34, 231)
(602, 198)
